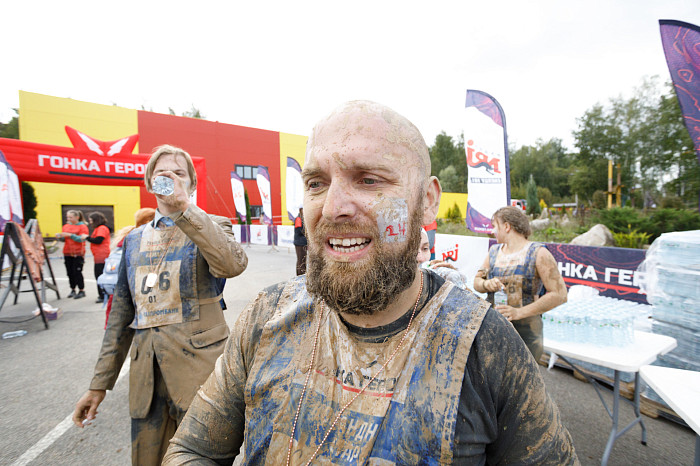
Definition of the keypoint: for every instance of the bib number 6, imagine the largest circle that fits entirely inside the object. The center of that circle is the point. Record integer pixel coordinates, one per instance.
(163, 283)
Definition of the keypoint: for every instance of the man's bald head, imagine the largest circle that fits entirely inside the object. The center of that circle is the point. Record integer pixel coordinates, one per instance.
(374, 121)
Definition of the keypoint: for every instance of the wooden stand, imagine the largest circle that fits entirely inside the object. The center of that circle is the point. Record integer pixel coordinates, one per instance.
(15, 251)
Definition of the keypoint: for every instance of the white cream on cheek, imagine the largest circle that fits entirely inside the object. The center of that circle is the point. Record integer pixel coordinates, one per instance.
(392, 219)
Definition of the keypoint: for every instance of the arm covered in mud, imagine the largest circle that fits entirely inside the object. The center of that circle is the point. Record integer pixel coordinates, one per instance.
(553, 283)
(505, 412)
(215, 239)
(214, 425)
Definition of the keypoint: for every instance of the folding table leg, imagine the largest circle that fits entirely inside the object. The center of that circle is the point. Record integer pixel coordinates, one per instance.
(636, 408)
(615, 413)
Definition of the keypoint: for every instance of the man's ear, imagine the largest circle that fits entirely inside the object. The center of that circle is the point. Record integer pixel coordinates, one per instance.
(431, 202)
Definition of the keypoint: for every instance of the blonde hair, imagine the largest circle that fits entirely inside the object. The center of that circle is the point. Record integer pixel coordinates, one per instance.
(167, 149)
(77, 213)
(120, 235)
(143, 216)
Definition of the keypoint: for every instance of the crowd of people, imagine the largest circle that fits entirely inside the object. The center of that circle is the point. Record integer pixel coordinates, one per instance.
(376, 352)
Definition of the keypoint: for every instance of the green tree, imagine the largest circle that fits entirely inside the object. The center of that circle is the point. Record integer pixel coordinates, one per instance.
(193, 112)
(444, 153)
(29, 201)
(645, 135)
(547, 162)
(449, 180)
(533, 203)
(248, 220)
(10, 129)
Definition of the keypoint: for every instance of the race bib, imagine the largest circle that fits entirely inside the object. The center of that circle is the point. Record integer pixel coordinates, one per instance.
(157, 285)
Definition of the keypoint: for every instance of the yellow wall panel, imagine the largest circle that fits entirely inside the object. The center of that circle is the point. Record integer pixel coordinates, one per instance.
(294, 146)
(52, 196)
(448, 200)
(42, 119)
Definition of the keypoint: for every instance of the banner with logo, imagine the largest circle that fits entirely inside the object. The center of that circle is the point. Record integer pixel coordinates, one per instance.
(238, 195)
(263, 178)
(295, 188)
(609, 270)
(10, 199)
(285, 235)
(486, 150)
(681, 42)
(54, 164)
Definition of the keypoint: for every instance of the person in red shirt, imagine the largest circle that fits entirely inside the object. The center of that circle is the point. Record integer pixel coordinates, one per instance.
(74, 251)
(99, 245)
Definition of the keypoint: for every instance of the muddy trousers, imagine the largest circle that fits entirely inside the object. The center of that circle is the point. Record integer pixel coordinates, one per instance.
(301, 259)
(150, 437)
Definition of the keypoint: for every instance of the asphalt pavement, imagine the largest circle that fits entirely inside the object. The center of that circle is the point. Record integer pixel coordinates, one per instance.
(43, 373)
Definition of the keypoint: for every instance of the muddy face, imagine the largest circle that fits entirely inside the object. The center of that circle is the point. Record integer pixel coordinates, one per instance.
(363, 207)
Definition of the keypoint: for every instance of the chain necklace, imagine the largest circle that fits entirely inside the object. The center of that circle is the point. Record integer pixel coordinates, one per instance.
(311, 365)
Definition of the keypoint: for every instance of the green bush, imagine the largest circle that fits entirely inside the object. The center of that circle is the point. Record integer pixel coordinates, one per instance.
(544, 194)
(454, 215)
(632, 239)
(517, 192)
(599, 200)
(628, 219)
(665, 220)
(622, 219)
(671, 202)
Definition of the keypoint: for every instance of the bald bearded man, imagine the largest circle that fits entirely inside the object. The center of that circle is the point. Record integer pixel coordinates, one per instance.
(368, 359)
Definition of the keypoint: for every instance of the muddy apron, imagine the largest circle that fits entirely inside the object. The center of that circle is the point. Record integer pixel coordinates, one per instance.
(407, 415)
(172, 295)
(518, 273)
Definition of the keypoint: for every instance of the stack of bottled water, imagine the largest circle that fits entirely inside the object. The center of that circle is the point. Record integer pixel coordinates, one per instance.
(670, 276)
(599, 321)
(672, 282)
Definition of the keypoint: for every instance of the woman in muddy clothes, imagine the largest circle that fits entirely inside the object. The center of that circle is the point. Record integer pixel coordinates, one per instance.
(521, 268)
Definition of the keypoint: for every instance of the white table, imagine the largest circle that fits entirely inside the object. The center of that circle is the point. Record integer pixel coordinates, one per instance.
(681, 390)
(646, 348)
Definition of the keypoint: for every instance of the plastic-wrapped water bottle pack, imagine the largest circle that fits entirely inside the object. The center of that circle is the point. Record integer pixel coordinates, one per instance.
(670, 276)
(599, 321)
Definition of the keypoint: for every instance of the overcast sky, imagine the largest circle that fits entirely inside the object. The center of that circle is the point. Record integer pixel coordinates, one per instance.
(282, 65)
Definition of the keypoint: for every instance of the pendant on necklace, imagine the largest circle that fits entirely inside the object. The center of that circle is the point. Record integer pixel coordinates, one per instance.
(151, 280)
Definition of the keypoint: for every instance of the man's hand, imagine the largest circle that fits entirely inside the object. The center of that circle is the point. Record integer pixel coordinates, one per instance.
(435, 263)
(86, 407)
(179, 200)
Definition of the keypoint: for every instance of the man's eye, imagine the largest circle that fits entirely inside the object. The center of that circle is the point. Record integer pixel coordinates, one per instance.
(313, 184)
(369, 181)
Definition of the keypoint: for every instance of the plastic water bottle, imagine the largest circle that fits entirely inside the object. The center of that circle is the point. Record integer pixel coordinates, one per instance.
(500, 298)
(17, 333)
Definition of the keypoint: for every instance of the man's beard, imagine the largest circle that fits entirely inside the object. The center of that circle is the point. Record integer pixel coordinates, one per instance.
(366, 287)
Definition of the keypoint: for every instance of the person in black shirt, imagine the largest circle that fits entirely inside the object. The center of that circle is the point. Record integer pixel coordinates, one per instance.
(300, 242)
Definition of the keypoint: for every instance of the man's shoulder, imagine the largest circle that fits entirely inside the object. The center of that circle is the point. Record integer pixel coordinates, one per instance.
(278, 300)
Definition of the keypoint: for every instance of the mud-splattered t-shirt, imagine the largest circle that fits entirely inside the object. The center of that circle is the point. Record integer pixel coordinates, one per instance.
(503, 414)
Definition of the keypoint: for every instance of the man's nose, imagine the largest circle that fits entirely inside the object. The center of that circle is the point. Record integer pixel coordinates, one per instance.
(339, 204)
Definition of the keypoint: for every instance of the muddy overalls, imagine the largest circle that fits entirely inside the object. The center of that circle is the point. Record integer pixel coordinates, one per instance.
(518, 273)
